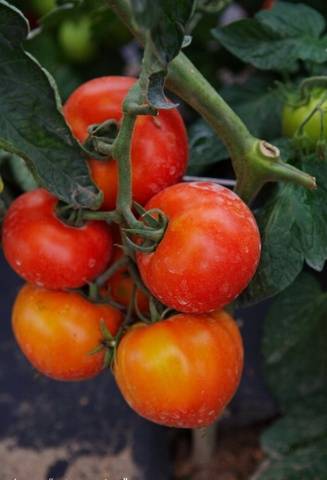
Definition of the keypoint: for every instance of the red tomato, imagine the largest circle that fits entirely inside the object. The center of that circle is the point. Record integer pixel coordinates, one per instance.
(183, 371)
(57, 331)
(159, 145)
(209, 251)
(120, 287)
(45, 251)
(268, 4)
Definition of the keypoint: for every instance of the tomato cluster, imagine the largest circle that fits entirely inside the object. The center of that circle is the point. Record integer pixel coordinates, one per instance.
(181, 366)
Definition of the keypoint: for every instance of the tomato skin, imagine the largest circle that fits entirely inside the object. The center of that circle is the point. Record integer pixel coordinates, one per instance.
(183, 371)
(294, 116)
(268, 4)
(120, 287)
(45, 251)
(209, 251)
(57, 330)
(159, 145)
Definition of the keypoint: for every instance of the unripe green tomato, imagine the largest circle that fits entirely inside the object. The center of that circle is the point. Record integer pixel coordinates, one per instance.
(42, 7)
(75, 38)
(315, 128)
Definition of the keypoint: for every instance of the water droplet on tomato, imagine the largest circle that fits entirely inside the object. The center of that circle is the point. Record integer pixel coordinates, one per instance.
(91, 262)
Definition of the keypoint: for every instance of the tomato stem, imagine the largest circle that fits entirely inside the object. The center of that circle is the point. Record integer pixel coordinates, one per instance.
(252, 169)
(308, 83)
(109, 217)
(133, 106)
(114, 267)
(93, 292)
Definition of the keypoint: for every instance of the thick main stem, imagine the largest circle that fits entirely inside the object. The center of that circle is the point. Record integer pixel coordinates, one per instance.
(186, 81)
(252, 166)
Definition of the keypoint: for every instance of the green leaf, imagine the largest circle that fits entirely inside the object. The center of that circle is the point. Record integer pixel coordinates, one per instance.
(293, 226)
(166, 21)
(205, 147)
(69, 10)
(295, 342)
(277, 39)
(31, 123)
(165, 24)
(258, 104)
(281, 255)
(156, 94)
(309, 463)
(259, 107)
(305, 422)
(211, 6)
(146, 12)
(295, 354)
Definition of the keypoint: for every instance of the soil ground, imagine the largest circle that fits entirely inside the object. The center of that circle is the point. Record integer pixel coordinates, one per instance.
(236, 457)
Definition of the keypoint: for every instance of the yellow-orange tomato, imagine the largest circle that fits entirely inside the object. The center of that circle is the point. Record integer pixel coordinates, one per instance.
(183, 371)
(120, 286)
(57, 330)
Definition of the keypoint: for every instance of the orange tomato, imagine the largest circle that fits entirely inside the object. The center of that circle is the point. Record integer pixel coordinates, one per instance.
(183, 371)
(57, 330)
(120, 284)
(120, 287)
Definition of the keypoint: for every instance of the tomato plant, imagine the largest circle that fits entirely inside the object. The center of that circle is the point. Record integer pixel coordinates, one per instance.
(211, 234)
(47, 252)
(159, 146)
(182, 371)
(115, 157)
(307, 118)
(57, 331)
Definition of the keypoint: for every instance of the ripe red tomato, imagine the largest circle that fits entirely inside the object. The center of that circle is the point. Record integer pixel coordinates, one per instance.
(159, 145)
(209, 251)
(57, 331)
(183, 371)
(268, 4)
(45, 251)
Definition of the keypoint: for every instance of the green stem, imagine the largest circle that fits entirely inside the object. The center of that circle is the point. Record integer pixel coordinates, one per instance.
(121, 262)
(253, 167)
(121, 153)
(311, 82)
(93, 292)
(186, 81)
(110, 217)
